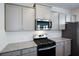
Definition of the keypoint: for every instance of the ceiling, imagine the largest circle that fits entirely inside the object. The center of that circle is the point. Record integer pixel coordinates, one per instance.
(61, 5)
(65, 5)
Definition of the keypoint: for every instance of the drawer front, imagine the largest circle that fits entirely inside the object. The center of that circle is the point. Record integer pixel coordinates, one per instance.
(60, 44)
(13, 53)
(30, 54)
(24, 51)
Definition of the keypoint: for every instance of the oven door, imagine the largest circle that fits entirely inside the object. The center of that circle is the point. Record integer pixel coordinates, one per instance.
(49, 51)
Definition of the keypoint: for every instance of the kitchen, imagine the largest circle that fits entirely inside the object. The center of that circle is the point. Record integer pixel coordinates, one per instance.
(24, 25)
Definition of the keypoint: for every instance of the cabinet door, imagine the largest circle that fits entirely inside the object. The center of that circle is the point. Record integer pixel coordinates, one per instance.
(29, 51)
(28, 19)
(30, 54)
(73, 18)
(43, 12)
(61, 21)
(13, 18)
(54, 19)
(59, 49)
(67, 48)
(68, 18)
(13, 53)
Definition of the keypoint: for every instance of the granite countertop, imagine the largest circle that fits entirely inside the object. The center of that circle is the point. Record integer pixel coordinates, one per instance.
(59, 39)
(20, 45)
(27, 44)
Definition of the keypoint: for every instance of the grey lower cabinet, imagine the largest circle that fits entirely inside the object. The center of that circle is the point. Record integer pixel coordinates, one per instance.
(22, 52)
(59, 48)
(29, 52)
(67, 48)
(11, 53)
(63, 48)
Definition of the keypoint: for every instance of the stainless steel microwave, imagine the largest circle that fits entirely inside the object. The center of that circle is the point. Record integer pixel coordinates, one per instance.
(43, 24)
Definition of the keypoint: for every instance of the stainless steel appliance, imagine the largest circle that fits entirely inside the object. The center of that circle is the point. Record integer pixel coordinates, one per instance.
(41, 24)
(45, 47)
(72, 32)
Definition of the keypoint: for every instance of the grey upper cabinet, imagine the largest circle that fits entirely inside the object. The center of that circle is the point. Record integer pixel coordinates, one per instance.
(13, 18)
(54, 19)
(62, 21)
(28, 18)
(68, 18)
(73, 18)
(43, 12)
(19, 18)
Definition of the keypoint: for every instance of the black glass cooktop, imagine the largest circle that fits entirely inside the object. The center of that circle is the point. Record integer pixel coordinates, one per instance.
(44, 41)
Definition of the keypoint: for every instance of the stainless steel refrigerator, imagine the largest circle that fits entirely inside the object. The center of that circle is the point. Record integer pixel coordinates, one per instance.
(72, 31)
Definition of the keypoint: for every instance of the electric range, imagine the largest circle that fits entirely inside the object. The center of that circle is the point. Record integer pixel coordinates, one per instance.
(45, 47)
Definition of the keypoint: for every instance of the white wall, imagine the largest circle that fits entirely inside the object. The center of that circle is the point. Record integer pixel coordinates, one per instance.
(3, 40)
(13, 37)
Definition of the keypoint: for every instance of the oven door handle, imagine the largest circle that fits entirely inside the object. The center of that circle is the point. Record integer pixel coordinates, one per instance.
(46, 48)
